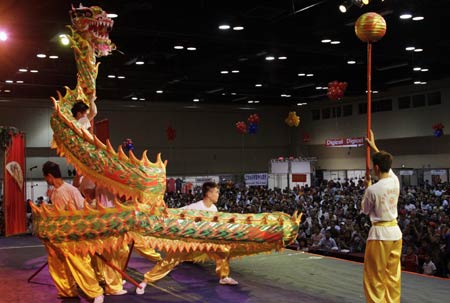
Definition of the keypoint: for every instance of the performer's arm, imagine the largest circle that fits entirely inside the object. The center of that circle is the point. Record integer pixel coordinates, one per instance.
(371, 142)
(92, 108)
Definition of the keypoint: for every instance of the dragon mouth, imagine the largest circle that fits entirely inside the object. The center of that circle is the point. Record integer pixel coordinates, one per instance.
(100, 28)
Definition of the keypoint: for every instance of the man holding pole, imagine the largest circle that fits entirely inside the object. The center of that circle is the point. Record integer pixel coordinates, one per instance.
(382, 268)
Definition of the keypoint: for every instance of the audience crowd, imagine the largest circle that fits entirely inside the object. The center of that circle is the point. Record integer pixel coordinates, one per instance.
(332, 221)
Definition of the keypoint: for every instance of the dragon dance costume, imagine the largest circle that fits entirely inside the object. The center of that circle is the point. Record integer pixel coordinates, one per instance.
(144, 217)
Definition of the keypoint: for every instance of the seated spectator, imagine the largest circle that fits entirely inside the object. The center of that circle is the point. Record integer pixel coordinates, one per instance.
(410, 261)
(428, 267)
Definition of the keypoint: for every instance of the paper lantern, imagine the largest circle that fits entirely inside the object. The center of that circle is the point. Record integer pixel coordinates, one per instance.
(370, 27)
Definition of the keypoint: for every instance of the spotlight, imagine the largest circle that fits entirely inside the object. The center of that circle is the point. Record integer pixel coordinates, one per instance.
(64, 39)
(343, 8)
(3, 36)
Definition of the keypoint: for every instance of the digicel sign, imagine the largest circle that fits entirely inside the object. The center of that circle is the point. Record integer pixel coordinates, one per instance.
(345, 142)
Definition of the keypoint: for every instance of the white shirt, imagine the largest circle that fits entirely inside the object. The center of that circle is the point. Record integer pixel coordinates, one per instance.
(428, 268)
(380, 203)
(66, 195)
(84, 122)
(200, 206)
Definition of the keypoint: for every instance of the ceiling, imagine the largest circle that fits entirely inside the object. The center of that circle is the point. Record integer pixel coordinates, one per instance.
(148, 30)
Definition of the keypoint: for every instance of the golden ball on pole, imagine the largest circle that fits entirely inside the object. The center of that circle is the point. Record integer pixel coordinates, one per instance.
(370, 27)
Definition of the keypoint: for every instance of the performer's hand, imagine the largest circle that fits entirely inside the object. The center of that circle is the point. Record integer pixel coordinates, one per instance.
(367, 181)
(371, 142)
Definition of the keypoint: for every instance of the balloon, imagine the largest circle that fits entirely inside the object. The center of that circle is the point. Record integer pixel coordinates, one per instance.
(241, 127)
(292, 119)
(252, 128)
(336, 90)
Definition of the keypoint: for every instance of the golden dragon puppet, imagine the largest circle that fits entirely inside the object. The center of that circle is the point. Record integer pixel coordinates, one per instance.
(144, 216)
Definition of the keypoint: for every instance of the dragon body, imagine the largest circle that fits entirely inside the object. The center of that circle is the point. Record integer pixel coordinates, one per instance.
(140, 182)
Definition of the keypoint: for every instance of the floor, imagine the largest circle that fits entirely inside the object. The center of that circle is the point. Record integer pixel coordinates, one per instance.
(289, 276)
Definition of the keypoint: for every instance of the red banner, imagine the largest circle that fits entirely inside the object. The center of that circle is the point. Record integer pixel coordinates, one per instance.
(298, 178)
(14, 185)
(345, 142)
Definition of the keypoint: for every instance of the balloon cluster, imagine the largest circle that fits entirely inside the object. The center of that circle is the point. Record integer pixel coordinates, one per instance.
(171, 133)
(292, 119)
(127, 144)
(251, 128)
(253, 121)
(438, 129)
(336, 90)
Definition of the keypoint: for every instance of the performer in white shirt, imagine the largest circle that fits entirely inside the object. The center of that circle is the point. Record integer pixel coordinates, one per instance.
(161, 269)
(382, 268)
(85, 114)
(67, 269)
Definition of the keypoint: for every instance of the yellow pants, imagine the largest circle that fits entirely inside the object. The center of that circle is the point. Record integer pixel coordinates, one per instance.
(382, 271)
(111, 277)
(148, 253)
(67, 270)
(171, 260)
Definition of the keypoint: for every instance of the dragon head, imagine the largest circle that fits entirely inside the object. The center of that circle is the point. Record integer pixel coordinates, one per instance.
(93, 25)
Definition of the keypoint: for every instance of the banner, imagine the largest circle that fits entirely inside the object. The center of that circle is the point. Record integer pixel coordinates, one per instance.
(299, 178)
(408, 172)
(438, 172)
(345, 142)
(256, 179)
(14, 186)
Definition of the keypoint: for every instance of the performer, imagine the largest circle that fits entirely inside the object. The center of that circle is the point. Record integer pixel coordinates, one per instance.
(210, 192)
(67, 269)
(84, 114)
(382, 268)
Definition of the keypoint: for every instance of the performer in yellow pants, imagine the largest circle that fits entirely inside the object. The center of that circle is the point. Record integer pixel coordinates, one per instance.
(382, 270)
(210, 192)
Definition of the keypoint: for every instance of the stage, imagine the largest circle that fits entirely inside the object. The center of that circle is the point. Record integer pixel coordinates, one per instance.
(289, 276)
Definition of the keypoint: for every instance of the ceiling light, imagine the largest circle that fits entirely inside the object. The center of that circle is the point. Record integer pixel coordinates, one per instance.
(53, 57)
(34, 71)
(111, 76)
(418, 18)
(309, 75)
(178, 47)
(238, 28)
(405, 16)
(19, 81)
(318, 87)
(233, 94)
(23, 70)
(224, 27)
(324, 88)
(282, 58)
(351, 62)
(375, 92)
(418, 50)
(417, 82)
(134, 98)
(335, 42)
(326, 41)
(3, 36)
(424, 69)
(7, 91)
(343, 8)
(41, 55)
(301, 104)
(301, 74)
(224, 72)
(250, 101)
(423, 82)
(64, 39)
(196, 100)
(121, 77)
(417, 69)
(410, 48)
(270, 58)
(235, 71)
(191, 48)
(139, 62)
(141, 99)
(112, 15)
(256, 101)
(258, 85)
(159, 91)
(9, 81)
